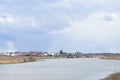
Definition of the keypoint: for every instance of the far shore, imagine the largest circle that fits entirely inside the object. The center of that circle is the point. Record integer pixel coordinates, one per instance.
(24, 59)
(110, 57)
(18, 59)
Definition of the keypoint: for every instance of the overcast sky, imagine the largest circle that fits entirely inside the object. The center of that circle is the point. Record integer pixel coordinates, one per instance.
(51, 25)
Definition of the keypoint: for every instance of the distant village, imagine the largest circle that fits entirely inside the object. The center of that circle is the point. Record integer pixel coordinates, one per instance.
(61, 53)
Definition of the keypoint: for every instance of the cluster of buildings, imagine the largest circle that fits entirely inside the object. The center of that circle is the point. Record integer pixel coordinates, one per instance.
(41, 53)
(31, 53)
(58, 54)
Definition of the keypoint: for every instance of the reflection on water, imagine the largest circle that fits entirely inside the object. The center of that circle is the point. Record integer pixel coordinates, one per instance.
(60, 69)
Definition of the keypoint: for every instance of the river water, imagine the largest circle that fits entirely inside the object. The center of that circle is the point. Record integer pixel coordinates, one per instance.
(60, 69)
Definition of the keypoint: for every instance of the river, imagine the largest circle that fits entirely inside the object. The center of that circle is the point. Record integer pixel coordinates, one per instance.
(60, 69)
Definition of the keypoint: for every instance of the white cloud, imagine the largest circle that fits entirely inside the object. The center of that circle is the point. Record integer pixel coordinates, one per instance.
(62, 3)
(6, 18)
(95, 23)
(34, 22)
(10, 19)
(2, 20)
(55, 4)
(10, 46)
(66, 30)
(21, 23)
(114, 50)
(18, 22)
(88, 3)
(92, 3)
(1, 8)
(94, 30)
(85, 21)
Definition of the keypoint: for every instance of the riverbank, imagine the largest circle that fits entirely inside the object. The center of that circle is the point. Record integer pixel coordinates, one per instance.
(115, 76)
(110, 57)
(24, 59)
(18, 59)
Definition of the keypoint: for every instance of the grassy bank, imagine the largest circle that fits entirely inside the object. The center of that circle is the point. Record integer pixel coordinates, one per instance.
(115, 76)
(9, 62)
(110, 57)
(17, 59)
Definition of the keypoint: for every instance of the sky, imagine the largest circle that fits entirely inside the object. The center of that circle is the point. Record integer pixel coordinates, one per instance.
(50, 25)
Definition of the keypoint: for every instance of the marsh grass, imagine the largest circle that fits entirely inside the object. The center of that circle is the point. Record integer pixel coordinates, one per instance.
(115, 76)
(111, 57)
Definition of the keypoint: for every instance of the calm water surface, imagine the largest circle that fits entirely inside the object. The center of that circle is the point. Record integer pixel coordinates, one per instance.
(60, 69)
